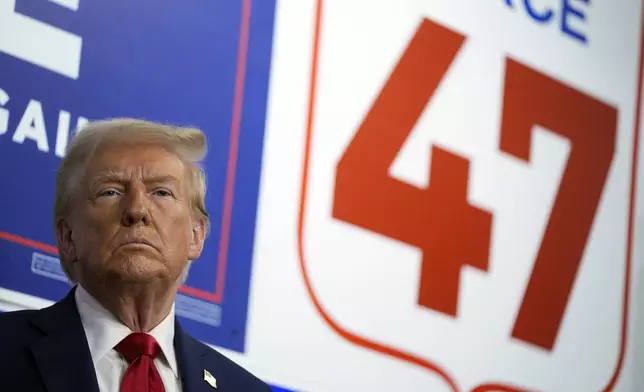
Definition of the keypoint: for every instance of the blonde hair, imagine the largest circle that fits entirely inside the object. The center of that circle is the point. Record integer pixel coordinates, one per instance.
(189, 144)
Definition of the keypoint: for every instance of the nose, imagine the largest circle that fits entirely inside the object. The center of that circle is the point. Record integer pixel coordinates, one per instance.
(136, 210)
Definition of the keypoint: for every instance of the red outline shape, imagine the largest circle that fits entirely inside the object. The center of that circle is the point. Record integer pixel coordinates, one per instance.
(497, 388)
(631, 211)
(389, 351)
(229, 190)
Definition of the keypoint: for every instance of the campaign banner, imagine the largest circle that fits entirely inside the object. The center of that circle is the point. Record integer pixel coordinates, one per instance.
(203, 63)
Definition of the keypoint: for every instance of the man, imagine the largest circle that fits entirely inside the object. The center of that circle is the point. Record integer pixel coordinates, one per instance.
(129, 218)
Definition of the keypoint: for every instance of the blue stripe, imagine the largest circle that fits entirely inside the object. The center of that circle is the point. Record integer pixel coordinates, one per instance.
(278, 389)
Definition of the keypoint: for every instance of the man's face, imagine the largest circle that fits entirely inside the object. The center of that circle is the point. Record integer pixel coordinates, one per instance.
(133, 220)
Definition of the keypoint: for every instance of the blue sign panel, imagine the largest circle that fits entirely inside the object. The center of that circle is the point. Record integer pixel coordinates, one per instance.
(203, 63)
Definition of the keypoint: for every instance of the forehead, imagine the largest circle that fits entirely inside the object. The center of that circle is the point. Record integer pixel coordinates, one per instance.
(135, 160)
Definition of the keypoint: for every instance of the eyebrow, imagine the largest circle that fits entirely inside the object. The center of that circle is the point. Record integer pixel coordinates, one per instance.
(113, 176)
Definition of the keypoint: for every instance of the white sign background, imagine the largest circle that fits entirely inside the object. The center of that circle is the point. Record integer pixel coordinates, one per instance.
(369, 284)
(359, 44)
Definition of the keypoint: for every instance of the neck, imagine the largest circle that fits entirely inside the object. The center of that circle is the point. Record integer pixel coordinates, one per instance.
(138, 306)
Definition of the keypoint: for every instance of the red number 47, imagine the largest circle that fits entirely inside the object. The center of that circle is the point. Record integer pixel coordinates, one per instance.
(438, 219)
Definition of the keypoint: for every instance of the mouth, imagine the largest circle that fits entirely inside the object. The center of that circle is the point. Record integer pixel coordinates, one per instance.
(137, 242)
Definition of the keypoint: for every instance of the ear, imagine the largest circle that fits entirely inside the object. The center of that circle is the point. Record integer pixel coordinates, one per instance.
(197, 239)
(65, 244)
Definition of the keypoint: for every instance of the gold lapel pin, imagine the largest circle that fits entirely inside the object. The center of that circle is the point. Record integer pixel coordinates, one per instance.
(207, 377)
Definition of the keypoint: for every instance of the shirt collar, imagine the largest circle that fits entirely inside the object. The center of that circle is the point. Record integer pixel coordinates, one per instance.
(104, 331)
(164, 334)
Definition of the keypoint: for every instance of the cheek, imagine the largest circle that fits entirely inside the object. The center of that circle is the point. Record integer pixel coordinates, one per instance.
(87, 241)
(103, 212)
(173, 218)
(181, 232)
(91, 235)
(179, 235)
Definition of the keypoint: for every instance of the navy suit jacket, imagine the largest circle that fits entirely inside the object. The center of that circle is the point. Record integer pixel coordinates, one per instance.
(46, 350)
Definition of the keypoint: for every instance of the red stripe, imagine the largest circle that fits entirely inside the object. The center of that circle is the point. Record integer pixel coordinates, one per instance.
(233, 150)
(28, 243)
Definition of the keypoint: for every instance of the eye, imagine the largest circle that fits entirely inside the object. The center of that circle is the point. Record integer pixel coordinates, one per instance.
(109, 193)
(162, 192)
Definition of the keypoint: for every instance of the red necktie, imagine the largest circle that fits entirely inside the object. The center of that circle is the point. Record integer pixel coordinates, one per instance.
(140, 349)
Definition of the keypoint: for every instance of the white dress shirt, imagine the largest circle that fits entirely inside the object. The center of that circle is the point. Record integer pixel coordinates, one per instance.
(104, 331)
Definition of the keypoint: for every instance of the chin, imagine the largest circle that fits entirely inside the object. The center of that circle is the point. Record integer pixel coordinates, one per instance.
(141, 269)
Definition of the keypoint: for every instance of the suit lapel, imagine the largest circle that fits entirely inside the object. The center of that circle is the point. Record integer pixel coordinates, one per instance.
(190, 360)
(62, 355)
